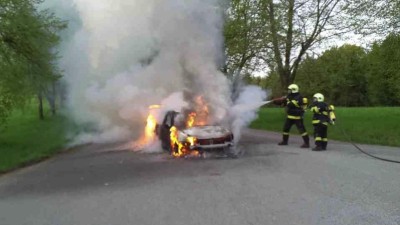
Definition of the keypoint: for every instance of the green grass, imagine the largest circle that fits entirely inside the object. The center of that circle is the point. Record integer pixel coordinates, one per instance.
(375, 125)
(26, 139)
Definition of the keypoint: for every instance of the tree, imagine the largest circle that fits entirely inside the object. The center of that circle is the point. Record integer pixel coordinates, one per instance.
(28, 38)
(272, 84)
(339, 74)
(298, 25)
(245, 37)
(312, 77)
(374, 17)
(384, 72)
(280, 33)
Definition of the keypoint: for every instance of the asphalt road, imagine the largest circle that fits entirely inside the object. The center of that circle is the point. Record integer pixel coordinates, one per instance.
(269, 184)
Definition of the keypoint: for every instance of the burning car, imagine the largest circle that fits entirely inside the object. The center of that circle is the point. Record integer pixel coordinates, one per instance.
(181, 139)
(190, 132)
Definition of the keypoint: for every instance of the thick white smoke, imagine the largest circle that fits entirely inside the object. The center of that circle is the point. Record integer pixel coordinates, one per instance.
(245, 107)
(121, 56)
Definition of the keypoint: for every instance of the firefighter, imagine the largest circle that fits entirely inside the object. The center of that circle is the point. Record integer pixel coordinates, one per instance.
(322, 116)
(295, 107)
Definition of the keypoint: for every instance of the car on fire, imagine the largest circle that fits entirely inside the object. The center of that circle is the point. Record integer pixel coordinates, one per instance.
(180, 140)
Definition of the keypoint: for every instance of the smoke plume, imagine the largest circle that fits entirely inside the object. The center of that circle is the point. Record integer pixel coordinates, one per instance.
(120, 56)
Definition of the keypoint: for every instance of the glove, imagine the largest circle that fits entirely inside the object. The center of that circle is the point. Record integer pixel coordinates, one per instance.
(332, 122)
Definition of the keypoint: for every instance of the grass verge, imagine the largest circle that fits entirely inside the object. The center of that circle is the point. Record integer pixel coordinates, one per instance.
(368, 125)
(26, 139)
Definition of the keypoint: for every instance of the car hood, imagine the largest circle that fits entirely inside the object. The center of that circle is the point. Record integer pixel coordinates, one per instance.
(203, 132)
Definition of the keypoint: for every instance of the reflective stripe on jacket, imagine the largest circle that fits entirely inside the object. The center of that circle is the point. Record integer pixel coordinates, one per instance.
(321, 113)
(295, 106)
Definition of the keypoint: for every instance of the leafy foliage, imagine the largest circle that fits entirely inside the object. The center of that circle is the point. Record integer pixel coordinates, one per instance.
(345, 75)
(28, 38)
(372, 17)
(279, 33)
(339, 74)
(245, 37)
(384, 72)
(350, 75)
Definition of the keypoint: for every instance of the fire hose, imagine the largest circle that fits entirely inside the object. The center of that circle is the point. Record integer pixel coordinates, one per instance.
(363, 151)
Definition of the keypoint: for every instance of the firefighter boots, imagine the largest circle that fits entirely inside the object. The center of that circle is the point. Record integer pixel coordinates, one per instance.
(285, 139)
(306, 140)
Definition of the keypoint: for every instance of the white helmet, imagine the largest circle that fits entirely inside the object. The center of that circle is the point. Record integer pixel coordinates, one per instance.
(293, 88)
(318, 97)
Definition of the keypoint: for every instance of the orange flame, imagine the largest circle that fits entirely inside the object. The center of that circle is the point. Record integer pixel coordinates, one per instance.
(151, 123)
(198, 117)
(182, 148)
(201, 111)
(150, 127)
(191, 119)
(175, 143)
(154, 106)
(192, 140)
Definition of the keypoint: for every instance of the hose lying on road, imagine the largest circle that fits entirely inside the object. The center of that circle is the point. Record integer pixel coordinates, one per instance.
(364, 152)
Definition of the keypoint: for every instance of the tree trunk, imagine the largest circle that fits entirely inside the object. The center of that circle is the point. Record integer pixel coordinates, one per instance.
(40, 99)
(285, 81)
(51, 98)
(61, 93)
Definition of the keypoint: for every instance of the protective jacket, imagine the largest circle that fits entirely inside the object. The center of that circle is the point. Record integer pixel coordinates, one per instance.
(321, 113)
(295, 105)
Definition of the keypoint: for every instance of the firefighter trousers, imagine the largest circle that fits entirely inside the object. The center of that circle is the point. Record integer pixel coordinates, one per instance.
(300, 126)
(321, 135)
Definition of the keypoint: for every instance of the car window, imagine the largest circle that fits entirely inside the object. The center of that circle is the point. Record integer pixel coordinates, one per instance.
(169, 119)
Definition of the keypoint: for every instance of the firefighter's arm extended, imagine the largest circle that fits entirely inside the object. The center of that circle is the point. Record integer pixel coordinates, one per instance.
(279, 101)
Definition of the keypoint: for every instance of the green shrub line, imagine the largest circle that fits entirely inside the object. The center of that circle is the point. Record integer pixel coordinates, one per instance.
(365, 125)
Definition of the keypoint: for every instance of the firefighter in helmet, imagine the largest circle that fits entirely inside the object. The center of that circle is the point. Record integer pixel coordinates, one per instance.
(322, 116)
(295, 107)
